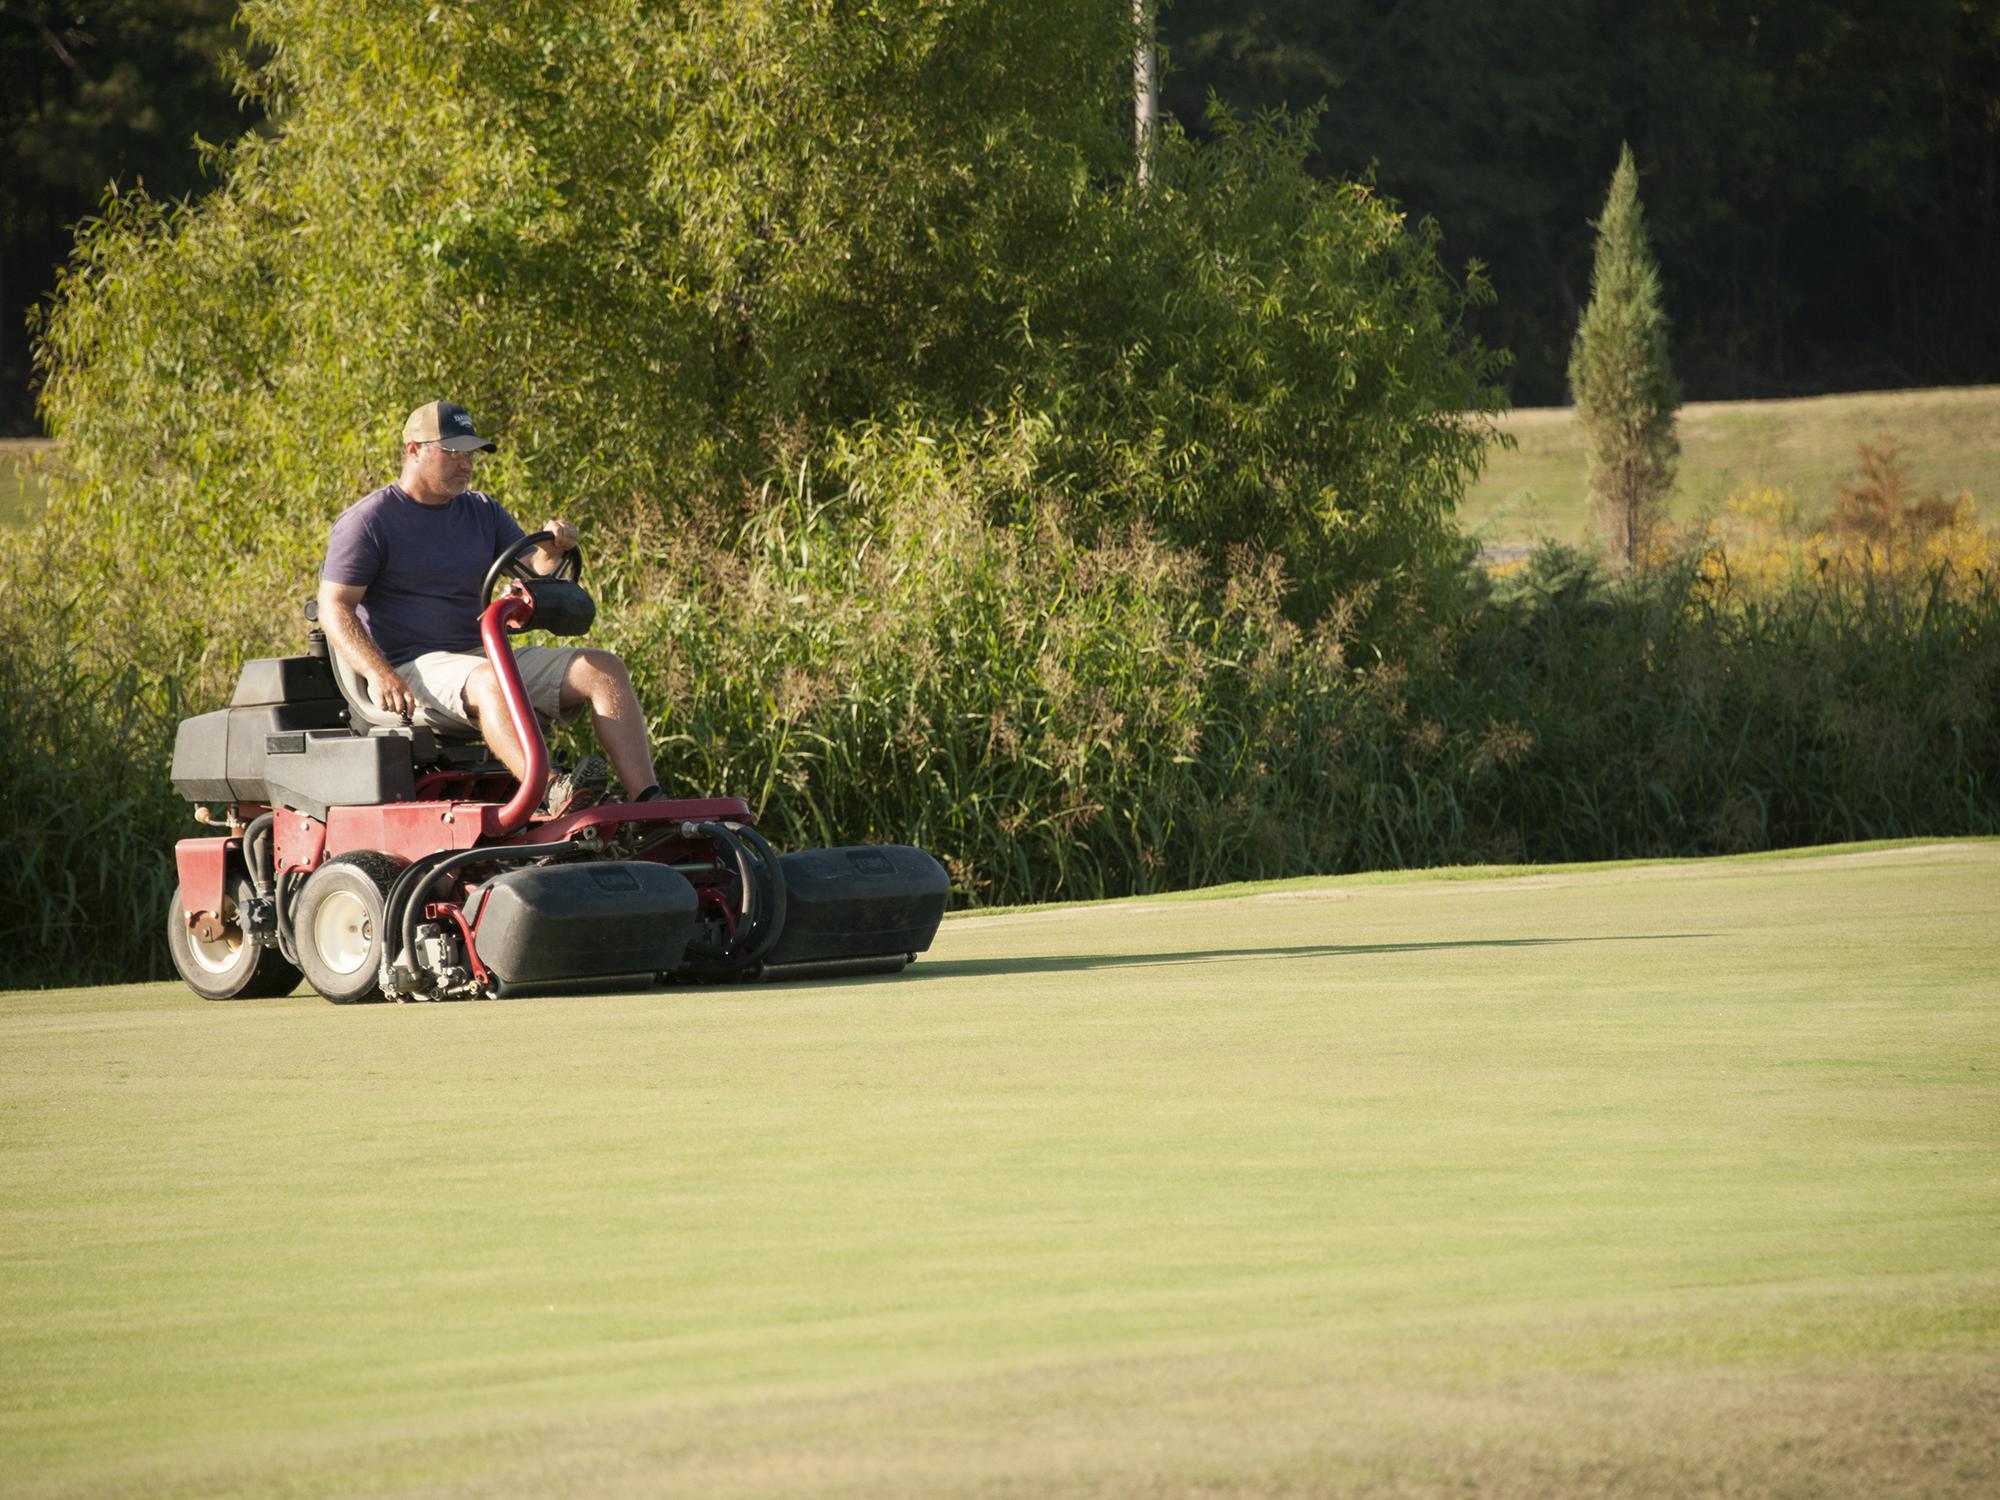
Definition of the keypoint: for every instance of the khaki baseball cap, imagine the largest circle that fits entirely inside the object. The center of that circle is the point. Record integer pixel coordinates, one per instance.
(447, 424)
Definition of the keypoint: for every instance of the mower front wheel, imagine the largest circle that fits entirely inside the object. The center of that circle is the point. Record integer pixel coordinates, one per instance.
(233, 964)
(337, 927)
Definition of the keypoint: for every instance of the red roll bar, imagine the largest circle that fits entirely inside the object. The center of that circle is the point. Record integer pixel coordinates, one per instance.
(511, 612)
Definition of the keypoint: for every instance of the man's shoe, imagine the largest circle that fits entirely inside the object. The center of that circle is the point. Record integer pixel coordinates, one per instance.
(653, 793)
(583, 785)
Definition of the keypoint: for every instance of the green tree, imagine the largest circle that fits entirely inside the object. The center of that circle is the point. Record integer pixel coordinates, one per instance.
(1819, 172)
(674, 253)
(1625, 389)
(92, 94)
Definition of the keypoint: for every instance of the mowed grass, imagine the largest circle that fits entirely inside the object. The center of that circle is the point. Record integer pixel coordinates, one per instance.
(20, 486)
(1950, 441)
(1647, 1180)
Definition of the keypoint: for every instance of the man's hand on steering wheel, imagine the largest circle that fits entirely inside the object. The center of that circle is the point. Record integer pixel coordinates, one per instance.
(515, 561)
(562, 537)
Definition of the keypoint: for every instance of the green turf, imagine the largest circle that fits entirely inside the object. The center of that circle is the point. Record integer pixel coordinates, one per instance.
(20, 490)
(1950, 440)
(1647, 1180)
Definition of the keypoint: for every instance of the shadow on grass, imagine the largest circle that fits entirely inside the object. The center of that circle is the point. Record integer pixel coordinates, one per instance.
(1070, 963)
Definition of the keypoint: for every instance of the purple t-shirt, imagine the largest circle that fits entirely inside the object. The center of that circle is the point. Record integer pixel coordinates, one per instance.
(422, 566)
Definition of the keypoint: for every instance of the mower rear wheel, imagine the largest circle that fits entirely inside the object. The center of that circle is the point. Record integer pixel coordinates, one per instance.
(337, 928)
(235, 964)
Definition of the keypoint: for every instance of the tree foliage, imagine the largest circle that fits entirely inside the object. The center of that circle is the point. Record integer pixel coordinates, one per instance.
(671, 253)
(1626, 393)
(1820, 173)
(92, 94)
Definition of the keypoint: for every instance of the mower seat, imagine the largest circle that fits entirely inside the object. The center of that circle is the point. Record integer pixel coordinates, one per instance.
(363, 714)
(354, 688)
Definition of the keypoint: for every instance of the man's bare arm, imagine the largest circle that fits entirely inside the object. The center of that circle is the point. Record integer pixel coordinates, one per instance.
(358, 649)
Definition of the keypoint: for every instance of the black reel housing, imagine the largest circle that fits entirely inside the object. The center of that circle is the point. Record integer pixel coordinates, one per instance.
(857, 908)
(599, 919)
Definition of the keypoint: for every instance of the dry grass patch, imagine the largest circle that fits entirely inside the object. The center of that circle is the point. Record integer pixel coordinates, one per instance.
(1950, 439)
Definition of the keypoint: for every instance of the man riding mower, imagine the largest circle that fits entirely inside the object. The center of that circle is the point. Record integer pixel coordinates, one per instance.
(385, 856)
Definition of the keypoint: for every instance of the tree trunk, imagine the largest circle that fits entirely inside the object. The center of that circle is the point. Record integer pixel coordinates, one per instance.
(1145, 87)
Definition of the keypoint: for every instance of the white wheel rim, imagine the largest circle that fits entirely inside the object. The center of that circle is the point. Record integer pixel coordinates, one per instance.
(218, 955)
(343, 932)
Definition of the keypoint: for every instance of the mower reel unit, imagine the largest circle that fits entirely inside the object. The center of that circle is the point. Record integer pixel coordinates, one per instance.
(391, 862)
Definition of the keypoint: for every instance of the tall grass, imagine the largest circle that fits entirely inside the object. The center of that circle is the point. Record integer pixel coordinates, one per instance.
(87, 819)
(1054, 716)
(1062, 716)
(945, 655)
(1682, 713)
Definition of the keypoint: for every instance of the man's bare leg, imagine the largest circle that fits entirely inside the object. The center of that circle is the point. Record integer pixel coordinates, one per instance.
(488, 706)
(600, 679)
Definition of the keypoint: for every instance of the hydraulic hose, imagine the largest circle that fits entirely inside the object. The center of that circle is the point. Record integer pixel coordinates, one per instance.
(774, 920)
(393, 904)
(260, 859)
(260, 882)
(745, 914)
(759, 929)
(286, 945)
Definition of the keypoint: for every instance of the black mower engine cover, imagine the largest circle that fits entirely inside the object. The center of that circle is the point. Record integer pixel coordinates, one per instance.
(582, 921)
(219, 756)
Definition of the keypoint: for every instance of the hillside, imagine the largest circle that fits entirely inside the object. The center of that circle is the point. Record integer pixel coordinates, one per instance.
(1950, 441)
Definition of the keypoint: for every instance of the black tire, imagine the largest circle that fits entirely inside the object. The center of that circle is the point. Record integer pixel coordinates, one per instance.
(337, 927)
(238, 965)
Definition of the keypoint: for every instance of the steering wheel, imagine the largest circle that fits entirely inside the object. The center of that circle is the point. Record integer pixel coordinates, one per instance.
(511, 561)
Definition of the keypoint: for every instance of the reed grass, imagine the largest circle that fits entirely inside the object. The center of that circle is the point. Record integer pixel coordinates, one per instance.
(1062, 712)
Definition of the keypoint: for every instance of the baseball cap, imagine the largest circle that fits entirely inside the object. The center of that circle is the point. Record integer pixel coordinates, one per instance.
(447, 424)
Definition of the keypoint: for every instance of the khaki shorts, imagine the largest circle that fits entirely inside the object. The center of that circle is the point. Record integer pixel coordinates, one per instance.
(437, 680)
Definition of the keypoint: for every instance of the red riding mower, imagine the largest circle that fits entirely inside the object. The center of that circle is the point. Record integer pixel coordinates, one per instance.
(385, 861)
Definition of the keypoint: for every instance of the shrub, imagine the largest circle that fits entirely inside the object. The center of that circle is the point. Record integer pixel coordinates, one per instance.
(1691, 711)
(1767, 536)
(86, 736)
